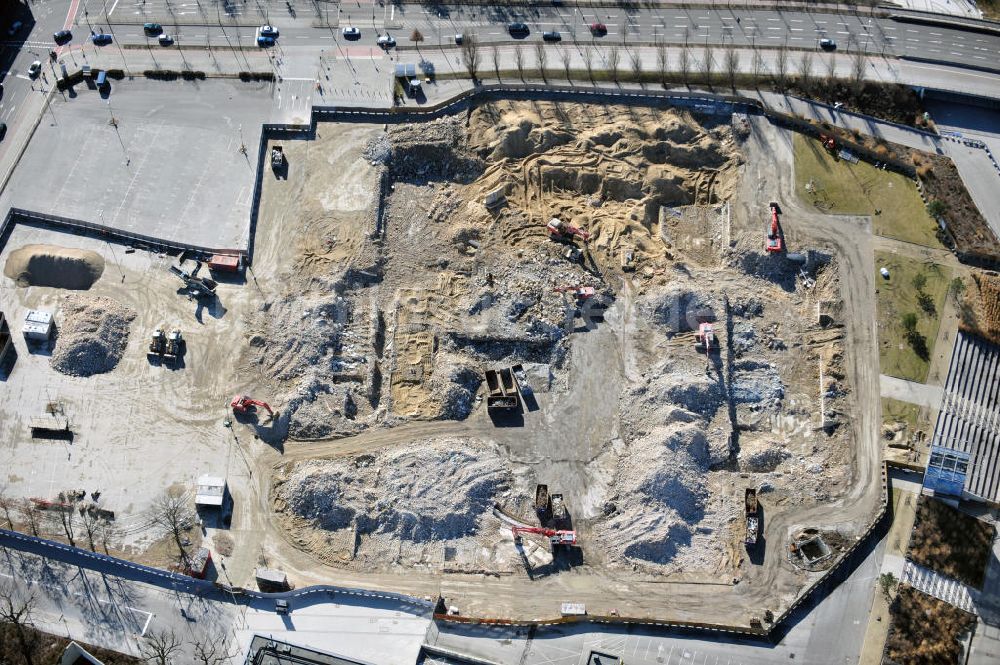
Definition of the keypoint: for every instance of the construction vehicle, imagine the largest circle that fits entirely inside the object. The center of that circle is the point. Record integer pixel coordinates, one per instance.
(555, 537)
(198, 286)
(707, 341)
(277, 158)
(501, 392)
(753, 515)
(157, 343)
(543, 505)
(242, 404)
(773, 241)
(560, 230)
(828, 142)
(573, 255)
(175, 342)
(581, 292)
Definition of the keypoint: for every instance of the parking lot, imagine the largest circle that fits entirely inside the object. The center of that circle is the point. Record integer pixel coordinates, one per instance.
(132, 157)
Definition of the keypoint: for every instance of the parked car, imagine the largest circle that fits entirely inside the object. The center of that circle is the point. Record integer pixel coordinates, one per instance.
(264, 40)
(15, 27)
(269, 31)
(100, 39)
(62, 36)
(827, 44)
(598, 29)
(386, 41)
(166, 40)
(152, 28)
(459, 39)
(350, 32)
(35, 69)
(551, 36)
(518, 29)
(3, 130)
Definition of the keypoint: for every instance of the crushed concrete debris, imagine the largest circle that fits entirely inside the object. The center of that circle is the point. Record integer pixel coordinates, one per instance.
(92, 335)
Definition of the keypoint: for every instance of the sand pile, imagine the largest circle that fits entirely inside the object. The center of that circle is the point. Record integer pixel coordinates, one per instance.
(424, 492)
(49, 265)
(92, 335)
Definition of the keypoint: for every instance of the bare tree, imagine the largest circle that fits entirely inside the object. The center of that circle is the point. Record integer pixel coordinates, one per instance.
(495, 56)
(16, 609)
(707, 64)
(662, 62)
(588, 61)
(107, 533)
(541, 58)
(519, 60)
(171, 512)
(805, 69)
(732, 62)
(471, 56)
(160, 647)
(684, 63)
(781, 66)
(635, 61)
(614, 58)
(566, 56)
(212, 650)
(830, 71)
(757, 65)
(91, 527)
(7, 506)
(30, 515)
(857, 71)
(65, 519)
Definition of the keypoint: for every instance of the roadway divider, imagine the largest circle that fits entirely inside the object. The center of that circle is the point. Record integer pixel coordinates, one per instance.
(982, 26)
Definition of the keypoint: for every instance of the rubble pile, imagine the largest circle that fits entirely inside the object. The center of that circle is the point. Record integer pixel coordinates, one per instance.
(433, 150)
(92, 337)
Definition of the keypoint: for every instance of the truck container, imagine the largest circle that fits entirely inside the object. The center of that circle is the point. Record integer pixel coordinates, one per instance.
(493, 383)
(224, 263)
(507, 382)
(753, 516)
(542, 505)
(271, 581)
(558, 507)
(37, 326)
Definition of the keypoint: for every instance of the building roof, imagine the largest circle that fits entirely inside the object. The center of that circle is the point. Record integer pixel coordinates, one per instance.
(969, 419)
(211, 490)
(269, 651)
(406, 71)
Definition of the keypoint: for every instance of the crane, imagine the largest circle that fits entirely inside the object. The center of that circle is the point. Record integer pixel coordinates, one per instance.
(555, 537)
(560, 230)
(242, 404)
(773, 242)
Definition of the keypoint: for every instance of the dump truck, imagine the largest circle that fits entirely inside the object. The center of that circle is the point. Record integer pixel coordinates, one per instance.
(277, 157)
(753, 515)
(543, 506)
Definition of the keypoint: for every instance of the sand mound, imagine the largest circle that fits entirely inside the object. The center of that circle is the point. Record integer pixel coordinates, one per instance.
(417, 494)
(49, 265)
(93, 334)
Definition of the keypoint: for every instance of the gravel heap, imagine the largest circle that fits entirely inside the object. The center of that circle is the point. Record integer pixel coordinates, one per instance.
(59, 267)
(378, 149)
(93, 334)
(420, 493)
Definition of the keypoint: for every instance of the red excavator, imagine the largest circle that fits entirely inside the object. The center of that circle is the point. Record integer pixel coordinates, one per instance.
(773, 243)
(560, 230)
(828, 142)
(555, 537)
(707, 341)
(243, 404)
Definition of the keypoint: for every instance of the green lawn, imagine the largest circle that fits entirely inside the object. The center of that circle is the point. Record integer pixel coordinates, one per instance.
(897, 411)
(897, 297)
(860, 189)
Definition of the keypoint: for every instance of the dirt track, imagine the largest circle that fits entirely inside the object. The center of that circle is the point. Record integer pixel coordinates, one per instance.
(768, 175)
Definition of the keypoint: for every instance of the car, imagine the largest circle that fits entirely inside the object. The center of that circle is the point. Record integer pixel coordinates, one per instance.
(598, 29)
(35, 69)
(350, 32)
(152, 28)
(100, 38)
(827, 44)
(62, 36)
(269, 31)
(281, 606)
(15, 27)
(459, 39)
(518, 28)
(166, 40)
(551, 36)
(386, 41)
(3, 130)
(264, 40)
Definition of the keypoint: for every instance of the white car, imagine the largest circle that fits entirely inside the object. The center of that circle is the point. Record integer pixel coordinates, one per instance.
(268, 31)
(350, 32)
(166, 40)
(386, 41)
(35, 69)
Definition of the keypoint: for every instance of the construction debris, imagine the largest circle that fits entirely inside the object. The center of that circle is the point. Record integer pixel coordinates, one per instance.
(92, 336)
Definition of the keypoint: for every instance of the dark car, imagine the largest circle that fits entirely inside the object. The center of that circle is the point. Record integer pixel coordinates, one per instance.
(62, 36)
(152, 28)
(100, 38)
(827, 44)
(3, 130)
(598, 29)
(518, 29)
(552, 36)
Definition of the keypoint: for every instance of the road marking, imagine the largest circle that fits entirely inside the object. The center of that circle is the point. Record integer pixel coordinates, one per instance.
(146, 625)
(113, 7)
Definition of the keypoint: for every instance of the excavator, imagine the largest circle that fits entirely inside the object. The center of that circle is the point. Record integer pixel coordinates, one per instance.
(555, 537)
(707, 341)
(581, 292)
(242, 404)
(560, 230)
